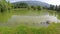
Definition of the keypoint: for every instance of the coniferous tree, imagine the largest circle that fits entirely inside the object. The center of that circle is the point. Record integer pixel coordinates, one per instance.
(56, 7)
(38, 7)
(51, 7)
(59, 8)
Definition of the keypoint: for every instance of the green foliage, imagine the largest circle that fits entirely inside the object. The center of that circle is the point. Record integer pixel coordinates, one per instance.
(21, 5)
(33, 7)
(38, 7)
(54, 7)
(51, 7)
(58, 8)
(4, 6)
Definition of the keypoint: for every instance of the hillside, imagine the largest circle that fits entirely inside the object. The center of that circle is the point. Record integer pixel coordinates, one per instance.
(34, 3)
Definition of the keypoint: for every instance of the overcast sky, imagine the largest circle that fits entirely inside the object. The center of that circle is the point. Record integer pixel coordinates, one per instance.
(54, 2)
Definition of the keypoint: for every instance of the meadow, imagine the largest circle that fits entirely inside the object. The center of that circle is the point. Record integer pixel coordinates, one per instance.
(23, 29)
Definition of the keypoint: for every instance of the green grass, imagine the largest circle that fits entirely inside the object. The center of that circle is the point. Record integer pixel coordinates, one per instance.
(52, 29)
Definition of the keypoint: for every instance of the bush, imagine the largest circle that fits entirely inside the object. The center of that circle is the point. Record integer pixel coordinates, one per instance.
(33, 7)
(4, 6)
(38, 8)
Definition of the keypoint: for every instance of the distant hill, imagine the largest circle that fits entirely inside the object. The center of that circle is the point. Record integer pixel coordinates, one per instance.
(34, 3)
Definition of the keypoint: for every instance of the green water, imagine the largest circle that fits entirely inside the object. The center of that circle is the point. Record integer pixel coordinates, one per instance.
(4, 17)
(20, 28)
(11, 20)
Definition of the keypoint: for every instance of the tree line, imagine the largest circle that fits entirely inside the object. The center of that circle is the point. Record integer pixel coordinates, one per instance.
(7, 6)
(38, 7)
(54, 7)
(25, 5)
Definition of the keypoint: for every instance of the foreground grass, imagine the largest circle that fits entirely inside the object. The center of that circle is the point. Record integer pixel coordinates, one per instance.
(52, 29)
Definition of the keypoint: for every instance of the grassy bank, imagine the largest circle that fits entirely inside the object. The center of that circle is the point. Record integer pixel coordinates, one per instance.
(52, 29)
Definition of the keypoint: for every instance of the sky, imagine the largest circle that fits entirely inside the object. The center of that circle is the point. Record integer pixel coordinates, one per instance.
(54, 2)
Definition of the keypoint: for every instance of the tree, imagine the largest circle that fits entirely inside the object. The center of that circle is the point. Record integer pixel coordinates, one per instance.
(33, 7)
(38, 7)
(23, 5)
(59, 8)
(51, 7)
(9, 6)
(4, 6)
(20, 5)
(56, 7)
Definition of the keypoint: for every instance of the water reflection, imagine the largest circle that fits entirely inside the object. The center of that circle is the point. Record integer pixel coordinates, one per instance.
(4, 17)
(42, 20)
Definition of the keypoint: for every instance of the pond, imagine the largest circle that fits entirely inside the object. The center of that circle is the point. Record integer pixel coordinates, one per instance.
(43, 19)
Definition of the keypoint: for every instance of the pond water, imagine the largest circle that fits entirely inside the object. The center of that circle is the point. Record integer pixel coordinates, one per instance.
(40, 20)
